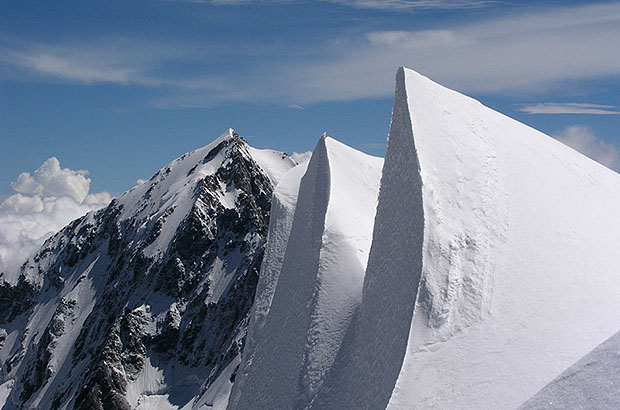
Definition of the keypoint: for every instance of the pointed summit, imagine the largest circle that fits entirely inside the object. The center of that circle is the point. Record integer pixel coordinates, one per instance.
(305, 310)
(510, 270)
(148, 297)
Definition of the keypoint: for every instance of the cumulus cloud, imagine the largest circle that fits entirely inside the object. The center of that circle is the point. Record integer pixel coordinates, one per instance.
(582, 139)
(51, 180)
(44, 202)
(569, 108)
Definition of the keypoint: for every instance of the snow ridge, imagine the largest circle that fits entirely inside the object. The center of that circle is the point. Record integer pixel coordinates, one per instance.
(319, 285)
(366, 370)
(513, 219)
(274, 364)
(481, 300)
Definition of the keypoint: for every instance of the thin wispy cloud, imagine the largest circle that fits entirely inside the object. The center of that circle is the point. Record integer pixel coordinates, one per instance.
(107, 60)
(115, 61)
(387, 5)
(583, 139)
(235, 2)
(529, 54)
(569, 108)
(526, 54)
(412, 4)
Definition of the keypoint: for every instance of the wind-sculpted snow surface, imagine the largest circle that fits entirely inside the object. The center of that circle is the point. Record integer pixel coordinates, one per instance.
(144, 304)
(590, 384)
(368, 364)
(319, 284)
(505, 274)
(283, 205)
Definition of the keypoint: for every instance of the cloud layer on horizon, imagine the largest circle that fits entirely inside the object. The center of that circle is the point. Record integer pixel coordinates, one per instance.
(44, 202)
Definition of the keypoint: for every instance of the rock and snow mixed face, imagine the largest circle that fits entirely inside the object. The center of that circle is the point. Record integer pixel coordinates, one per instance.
(143, 304)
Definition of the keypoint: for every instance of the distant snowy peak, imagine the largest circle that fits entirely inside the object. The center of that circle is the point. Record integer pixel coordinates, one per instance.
(144, 303)
(176, 182)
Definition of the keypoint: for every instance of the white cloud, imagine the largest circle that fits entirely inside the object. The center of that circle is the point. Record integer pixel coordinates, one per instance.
(51, 180)
(569, 108)
(46, 200)
(530, 53)
(301, 157)
(533, 52)
(582, 139)
(107, 60)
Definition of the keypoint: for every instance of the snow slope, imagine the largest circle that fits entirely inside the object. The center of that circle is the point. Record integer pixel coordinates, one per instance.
(591, 383)
(504, 275)
(319, 282)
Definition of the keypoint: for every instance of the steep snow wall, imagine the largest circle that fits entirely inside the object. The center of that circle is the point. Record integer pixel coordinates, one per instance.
(368, 364)
(283, 205)
(319, 284)
(509, 272)
(591, 383)
(520, 275)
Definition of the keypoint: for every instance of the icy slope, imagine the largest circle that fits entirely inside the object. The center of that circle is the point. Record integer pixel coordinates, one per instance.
(144, 304)
(319, 283)
(591, 383)
(508, 272)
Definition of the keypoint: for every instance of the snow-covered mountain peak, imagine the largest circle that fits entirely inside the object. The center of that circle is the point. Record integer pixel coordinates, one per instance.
(143, 303)
(491, 293)
(181, 174)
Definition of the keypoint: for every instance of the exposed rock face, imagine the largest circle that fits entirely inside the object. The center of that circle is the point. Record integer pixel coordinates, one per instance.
(146, 300)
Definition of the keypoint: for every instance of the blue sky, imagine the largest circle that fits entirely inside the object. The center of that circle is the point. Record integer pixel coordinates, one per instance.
(120, 88)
